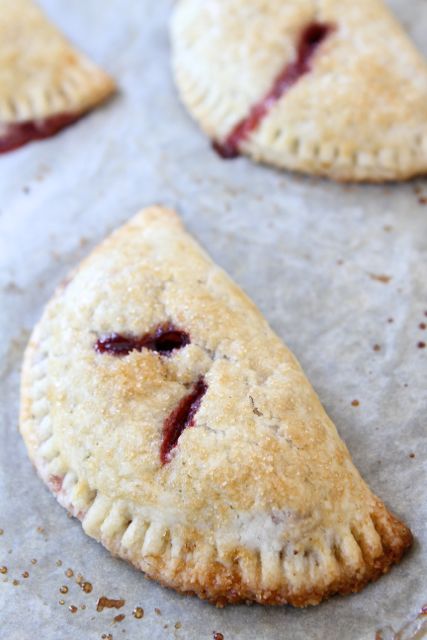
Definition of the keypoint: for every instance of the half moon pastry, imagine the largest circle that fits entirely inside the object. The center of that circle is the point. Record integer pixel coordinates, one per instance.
(161, 410)
(45, 84)
(327, 87)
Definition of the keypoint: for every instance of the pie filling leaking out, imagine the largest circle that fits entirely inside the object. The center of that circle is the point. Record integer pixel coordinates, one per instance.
(17, 134)
(181, 418)
(310, 40)
(164, 339)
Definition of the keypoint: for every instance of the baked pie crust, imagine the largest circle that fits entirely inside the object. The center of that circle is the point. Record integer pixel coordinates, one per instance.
(327, 87)
(162, 411)
(45, 84)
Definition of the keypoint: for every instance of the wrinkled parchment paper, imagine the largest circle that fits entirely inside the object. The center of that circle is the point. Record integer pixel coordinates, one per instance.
(336, 270)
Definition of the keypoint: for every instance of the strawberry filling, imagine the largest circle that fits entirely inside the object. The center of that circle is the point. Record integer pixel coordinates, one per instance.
(16, 134)
(164, 340)
(311, 38)
(180, 418)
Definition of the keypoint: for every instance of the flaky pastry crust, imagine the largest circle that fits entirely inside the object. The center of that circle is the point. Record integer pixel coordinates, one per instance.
(259, 500)
(359, 113)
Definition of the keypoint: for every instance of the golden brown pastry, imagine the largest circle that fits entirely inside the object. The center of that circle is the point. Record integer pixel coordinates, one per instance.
(328, 87)
(163, 412)
(45, 84)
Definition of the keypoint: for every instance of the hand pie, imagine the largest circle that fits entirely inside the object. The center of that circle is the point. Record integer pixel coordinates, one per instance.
(327, 87)
(45, 84)
(162, 411)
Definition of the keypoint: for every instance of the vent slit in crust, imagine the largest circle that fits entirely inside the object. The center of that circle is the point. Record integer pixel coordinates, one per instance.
(182, 416)
(309, 42)
(164, 340)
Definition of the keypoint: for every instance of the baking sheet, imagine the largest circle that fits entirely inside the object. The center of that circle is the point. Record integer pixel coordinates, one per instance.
(336, 270)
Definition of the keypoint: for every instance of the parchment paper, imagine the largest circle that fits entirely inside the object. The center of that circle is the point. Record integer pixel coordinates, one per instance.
(336, 270)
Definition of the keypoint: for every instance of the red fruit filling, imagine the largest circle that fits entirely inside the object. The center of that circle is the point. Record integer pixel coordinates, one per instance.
(311, 38)
(165, 339)
(16, 134)
(181, 417)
